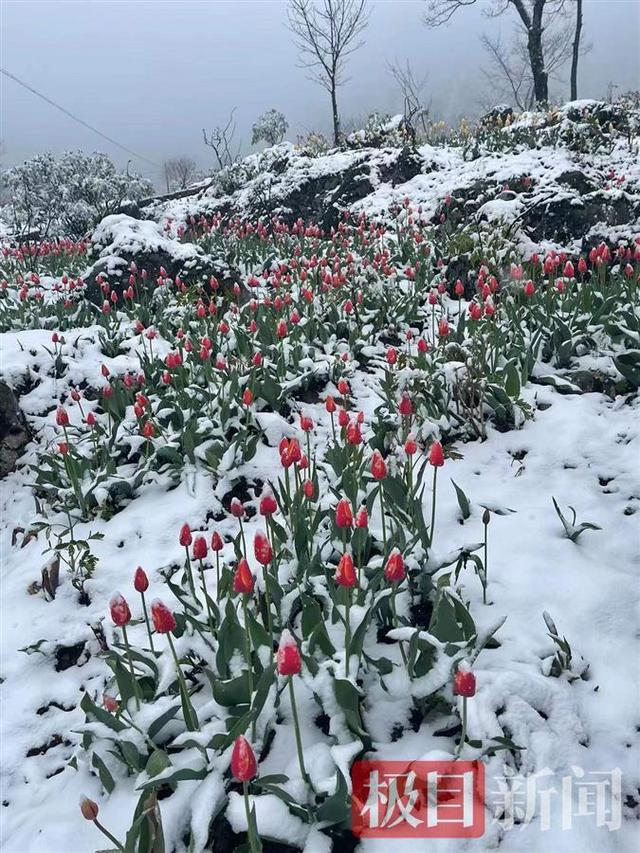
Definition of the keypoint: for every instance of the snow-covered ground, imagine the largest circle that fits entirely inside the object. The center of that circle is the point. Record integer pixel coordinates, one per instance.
(581, 449)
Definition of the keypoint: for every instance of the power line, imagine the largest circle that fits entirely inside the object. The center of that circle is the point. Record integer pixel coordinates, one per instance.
(75, 118)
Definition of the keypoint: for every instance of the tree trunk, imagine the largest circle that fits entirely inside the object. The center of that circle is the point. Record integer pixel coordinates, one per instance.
(576, 52)
(336, 117)
(536, 57)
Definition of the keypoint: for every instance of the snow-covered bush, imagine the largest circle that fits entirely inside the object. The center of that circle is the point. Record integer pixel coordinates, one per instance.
(270, 127)
(380, 131)
(67, 196)
(313, 144)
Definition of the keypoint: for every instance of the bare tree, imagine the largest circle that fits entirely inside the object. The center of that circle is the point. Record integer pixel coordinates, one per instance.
(221, 140)
(179, 172)
(532, 20)
(411, 88)
(576, 51)
(326, 34)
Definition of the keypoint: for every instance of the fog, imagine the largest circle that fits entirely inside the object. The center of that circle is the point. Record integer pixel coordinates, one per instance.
(153, 74)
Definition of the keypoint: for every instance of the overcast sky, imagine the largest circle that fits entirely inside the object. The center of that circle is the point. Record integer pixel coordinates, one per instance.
(153, 73)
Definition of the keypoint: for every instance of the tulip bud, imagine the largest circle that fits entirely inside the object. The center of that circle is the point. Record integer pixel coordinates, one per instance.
(436, 455)
(200, 548)
(464, 683)
(288, 655)
(344, 514)
(216, 542)
(247, 396)
(262, 549)
(268, 504)
(307, 488)
(236, 508)
(244, 766)
(110, 703)
(140, 580)
(362, 518)
(163, 619)
(345, 572)
(330, 404)
(394, 569)
(89, 808)
(405, 407)
(62, 417)
(486, 517)
(120, 613)
(185, 536)
(378, 466)
(243, 580)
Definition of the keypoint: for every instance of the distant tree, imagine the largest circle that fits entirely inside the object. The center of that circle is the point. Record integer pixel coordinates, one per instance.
(534, 18)
(222, 142)
(411, 88)
(327, 33)
(575, 53)
(67, 196)
(179, 172)
(270, 127)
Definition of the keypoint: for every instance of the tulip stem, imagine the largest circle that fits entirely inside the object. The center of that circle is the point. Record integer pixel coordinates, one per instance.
(384, 526)
(206, 599)
(486, 568)
(394, 613)
(136, 687)
(146, 619)
(296, 725)
(252, 829)
(217, 577)
(249, 665)
(433, 506)
(463, 733)
(189, 573)
(347, 632)
(183, 687)
(244, 544)
(106, 832)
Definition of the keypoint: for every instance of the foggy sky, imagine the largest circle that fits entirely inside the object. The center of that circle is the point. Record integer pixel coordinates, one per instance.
(153, 73)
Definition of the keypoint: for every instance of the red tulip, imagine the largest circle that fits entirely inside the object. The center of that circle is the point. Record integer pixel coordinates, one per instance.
(110, 703)
(163, 619)
(185, 536)
(344, 514)
(394, 570)
(378, 466)
(63, 447)
(236, 508)
(244, 766)
(262, 549)
(307, 488)
(436, 455)
(529, 288)
(362, 518)
(392, 355)
(243, 580)
(216, 542)
(345, 572)
(410, 446)
(354, 436)
(140, 580)
(330, 404)
(268, 504)
(200, 548)
(247, 396)
(405, 407)
(464, 683)
(306, 423)
(120, 613)
(62, 417)
(89, 808)
(288, 656)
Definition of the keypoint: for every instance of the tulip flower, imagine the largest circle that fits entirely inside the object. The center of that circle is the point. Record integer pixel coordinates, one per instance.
(243, 583)
(141, 585)
(436, 460)
(344, 514)
(244, 768)
(378, 466)
(165, 622)
(121, 616)
(289, 664)
(90, 811)
(268, 504)
(185, 540)
(346, 577)
(464, 684)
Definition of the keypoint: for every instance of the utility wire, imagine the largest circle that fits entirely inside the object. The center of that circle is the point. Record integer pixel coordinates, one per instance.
(75, 118)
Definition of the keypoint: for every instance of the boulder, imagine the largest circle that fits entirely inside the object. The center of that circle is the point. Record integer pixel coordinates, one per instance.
(14, 433)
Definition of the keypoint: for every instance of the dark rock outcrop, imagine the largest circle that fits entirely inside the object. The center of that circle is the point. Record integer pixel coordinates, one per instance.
(14, 433)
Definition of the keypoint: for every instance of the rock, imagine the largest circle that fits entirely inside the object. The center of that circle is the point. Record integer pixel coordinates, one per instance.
(561, 219)
(578, 181)
(14, 433)
(121, 239)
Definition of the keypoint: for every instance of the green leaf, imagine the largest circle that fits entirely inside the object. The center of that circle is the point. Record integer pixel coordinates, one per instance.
(463, 501)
